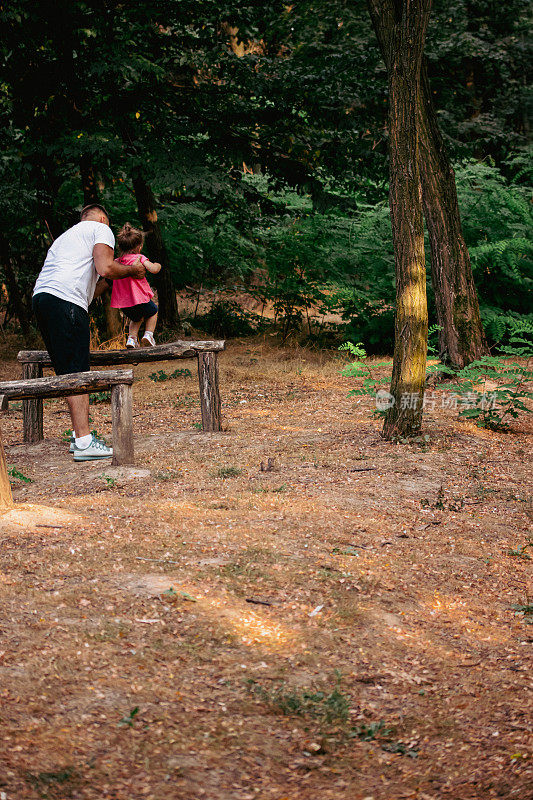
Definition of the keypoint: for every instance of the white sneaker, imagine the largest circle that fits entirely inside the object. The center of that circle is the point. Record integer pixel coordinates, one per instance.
(94, 451)
(132, 343)
(73, 443)
(148, 340)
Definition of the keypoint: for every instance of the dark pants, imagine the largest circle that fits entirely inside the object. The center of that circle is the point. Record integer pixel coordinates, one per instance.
(142, 311)
(65, 329)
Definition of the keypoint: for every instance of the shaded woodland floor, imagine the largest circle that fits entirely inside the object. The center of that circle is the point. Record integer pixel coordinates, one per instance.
(338, 625)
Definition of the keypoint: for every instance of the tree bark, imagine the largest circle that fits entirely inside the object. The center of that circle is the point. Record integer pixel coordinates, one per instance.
(15, 295)
(166, 293)
(89, 183)
(122, 420)
(141, 355)
(401, 29)
(32, 408)
(65, 385)
(461, 338)
(113, 320)
(209, 391)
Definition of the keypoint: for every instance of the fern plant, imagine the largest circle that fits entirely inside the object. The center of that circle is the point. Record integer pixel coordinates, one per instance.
(491, 406)
(371, 382)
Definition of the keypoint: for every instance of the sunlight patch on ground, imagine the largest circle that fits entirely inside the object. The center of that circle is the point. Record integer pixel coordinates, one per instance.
(250, 625)
(31, 518)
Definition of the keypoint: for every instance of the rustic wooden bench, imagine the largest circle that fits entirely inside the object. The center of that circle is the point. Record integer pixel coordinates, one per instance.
(34, 389)
(206, 353)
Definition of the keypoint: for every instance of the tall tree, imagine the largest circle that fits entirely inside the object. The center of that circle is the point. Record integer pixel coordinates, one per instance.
(401, 26)
(461, 335)
(166, 293)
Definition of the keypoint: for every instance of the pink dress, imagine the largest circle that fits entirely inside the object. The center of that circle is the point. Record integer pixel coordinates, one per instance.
(128, 292)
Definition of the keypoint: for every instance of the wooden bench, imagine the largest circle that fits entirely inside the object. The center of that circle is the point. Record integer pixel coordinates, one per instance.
(118, 380)
(206, 353)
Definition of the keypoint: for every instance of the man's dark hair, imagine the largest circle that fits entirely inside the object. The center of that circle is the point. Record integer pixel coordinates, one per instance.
(85, 211)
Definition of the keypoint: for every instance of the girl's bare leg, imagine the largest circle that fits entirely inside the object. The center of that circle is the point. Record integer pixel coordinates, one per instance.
(134, 328)
(150, 324)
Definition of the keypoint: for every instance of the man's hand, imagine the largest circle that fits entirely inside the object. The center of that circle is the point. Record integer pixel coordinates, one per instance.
(137, 269)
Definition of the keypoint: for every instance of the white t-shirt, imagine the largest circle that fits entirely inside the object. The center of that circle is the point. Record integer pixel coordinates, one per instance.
(68, 271)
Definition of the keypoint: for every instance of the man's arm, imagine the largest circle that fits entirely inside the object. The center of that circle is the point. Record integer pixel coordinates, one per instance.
(107, 267)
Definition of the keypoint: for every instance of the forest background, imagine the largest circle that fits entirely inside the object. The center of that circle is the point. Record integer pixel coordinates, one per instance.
(252, 143)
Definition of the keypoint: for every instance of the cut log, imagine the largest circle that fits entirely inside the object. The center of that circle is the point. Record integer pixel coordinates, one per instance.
(122, 419)
(209, 391)
(32, 408)
(64, 385)
(161, 352)
(6, 498)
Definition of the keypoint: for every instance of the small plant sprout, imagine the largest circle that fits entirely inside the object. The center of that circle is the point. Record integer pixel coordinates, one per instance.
(160, 376)
(13, 472)
(228, 472)
(372, 386)
(129, 719)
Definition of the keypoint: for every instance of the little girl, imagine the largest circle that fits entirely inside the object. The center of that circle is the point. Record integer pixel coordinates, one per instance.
(133, 295)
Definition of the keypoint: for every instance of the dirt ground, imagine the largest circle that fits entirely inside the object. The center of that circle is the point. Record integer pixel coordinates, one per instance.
(336, 624)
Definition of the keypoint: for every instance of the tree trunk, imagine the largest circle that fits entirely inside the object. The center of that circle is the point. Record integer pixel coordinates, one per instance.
(113, 319)
(461, 338)
(166, 293)
(401, 29)
(15, 295)
(89, 183)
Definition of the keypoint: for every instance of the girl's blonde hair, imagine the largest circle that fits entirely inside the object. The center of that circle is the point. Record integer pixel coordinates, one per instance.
(129, 238)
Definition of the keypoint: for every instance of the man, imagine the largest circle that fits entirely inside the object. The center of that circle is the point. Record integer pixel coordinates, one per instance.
(65, 287)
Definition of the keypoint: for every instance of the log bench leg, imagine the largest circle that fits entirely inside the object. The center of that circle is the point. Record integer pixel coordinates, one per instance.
(32, 410)
(122, 420)
(209, 392)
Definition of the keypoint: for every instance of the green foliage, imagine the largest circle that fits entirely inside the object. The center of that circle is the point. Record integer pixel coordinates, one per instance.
(226, 319)
(61, 782)
(66, 436)
(360, 369)
(100, 397)
(498, 223)
(129, 719)
(160, 376)
(228, 472)
(332, 707)
(372, 731)
(309, 233)
(493, 389)
(526, 610)
(521, 552)
(13, 472)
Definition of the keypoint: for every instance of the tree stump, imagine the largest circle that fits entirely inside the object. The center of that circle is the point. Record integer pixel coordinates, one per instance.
(122, 420)
(32, 410)
(209, 391)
